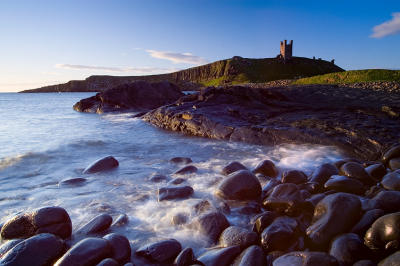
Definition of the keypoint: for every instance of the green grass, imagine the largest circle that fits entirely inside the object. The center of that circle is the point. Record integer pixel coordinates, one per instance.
(352, 76)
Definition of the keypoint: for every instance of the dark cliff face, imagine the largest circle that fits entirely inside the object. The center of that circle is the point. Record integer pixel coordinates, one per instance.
(229, 71)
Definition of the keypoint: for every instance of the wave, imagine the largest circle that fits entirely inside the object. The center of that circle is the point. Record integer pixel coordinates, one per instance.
(13, 160)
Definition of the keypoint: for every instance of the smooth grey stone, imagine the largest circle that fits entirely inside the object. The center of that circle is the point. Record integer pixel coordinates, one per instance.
(377, 170)
(306, 258)
(211, 224)
(177, 181)
(345, 184)
(237, 236)
(263, 220)
(96, 225)
(233, 167)
(73, 182)
(384, 233)
(220, 256)
(392, 260)
(5, 247)
(348, 249)
(157, 178)
(366, 221)
(294, 176)
(240, 185)
(185, 257)
(391, 153)
(284, 198)
(162, 251)
(202, 206)
(280, 235)
(388, 201)
(120, 247)
(391, 181)
(394, 164)
(182, 160)
(103, 164)
(322, 173)
(267, 168)
(364, 263)
(121, 220)
(171, 193)
(190, 169)
(108, 262)
(356, 171)
(252, 256)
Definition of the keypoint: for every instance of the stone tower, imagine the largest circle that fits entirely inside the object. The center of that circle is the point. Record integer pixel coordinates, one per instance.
(286, 50)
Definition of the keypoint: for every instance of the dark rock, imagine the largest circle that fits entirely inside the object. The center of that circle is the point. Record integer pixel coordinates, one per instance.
(294, 176)
(311, 187)
(392, 260)
(364, 263)
(314, 199)
(252, 256)
(389, 201)
(384, 233)
(171, 193)
(333, 215)
(266, 168)
(96, 225)
(177, 181)
(121, 220)
(237, 236)
(156, 178)
(120, 247)
(267, 189)
(190, 169)
(104, 164)
(323, 173)
(348, 249)
(304, 258)
(162, 251)
(344, 184)
(391, 181)
(391, 153)
(224, 207)
(211, 224)
(233, 167)
(19, 226)
(88, 251)
(73, 182)
(220, 256)
(179, 218)
(250, 208)
(272, 256)
(181, 160)
(280, 235)
(42, 249)
(240, 185)
(284, 198)
(356, 171)
(4, 248)
(366, 221)
(108, 262)
(377, 170)
(185, 257)
(202, 206)
(138, 95)
(263, 220)
(394, 163)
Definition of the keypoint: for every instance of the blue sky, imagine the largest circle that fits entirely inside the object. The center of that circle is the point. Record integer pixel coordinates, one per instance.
(48, 42)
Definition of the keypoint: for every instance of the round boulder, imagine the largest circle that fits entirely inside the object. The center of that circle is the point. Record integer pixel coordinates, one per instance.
(384, 233)
(162, 251)
(96, 225)
(356, 171)
(190, 169)
(240, 185)
(211, 224)
(104, 164)
(281, 235)
(266, 168)
(322, 173)
(120, 247)
(284, 198)
(171, 193)
(348, 248)
(394, 163)
(220, 256)
(377, 171)
(237, 236)
(389, 201)
(232, 167)
(391, 153)
(391, 181)
(344, 184)
(294, 176)
(304, 258)
(252, 256)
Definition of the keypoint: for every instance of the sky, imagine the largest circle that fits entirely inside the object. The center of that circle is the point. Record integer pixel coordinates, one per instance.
(54, 41)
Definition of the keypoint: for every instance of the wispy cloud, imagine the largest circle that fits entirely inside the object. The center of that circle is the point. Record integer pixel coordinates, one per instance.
(139, 70)
(178, 57)
(387, 28)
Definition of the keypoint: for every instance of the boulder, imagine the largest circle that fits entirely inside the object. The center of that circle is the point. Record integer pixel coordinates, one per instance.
(138, 95)
(252, 256)
(267, 188)
(171, 193)
(392, 260)
(72, 182)
(391, 181)
(294, 176)
(263, 220)
(220, 256)
(121, 220)
(389, 201)
(232, 167)
(284, 198)
(211, 224)
(334, 214)
(344, 184)
(202, 206)
(162, 251)
(348, 249)
(384, 233)
(97, 225)
(322, 173)
(364, 263)
(391, 153)
(181, 160)
(237, 236)
(377, 170)
(101, 165)
(366, 221)
(190, 169)
(306, 258)
(281, 235)
(266, 168)
(177, 181)
(120, 247)
(240, 185)
(108, 262)
(5, 247)
(88, 251)
(356, 171)
(185, 257)
(41, 249)
(157, 178)
(179, 218)
(394, 163)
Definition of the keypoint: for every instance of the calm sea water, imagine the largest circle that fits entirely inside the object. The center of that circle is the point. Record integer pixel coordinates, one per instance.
(43, 141)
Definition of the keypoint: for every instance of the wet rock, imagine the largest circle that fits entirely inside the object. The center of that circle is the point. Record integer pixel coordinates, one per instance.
(108, 262)
(162, 251)
(88, 251)
(294, 176)
(391, 181)
(384, 233)
(177, 181)
(72, 182)
(224, 207)
(356, 171)
(185, 257)
(232, 167)
(181, 160)
(171, 193)
(121, 220)
(314, 199)
(304, 258)
(157, 178)
(267, 189)
(280, 235)
(4, 248)
(220, 256)
(54, 220)
(391, 153)
(250, 208)
(364, 263)
(348, 248)
(237, 236)
(389, 201)
(272, 256)
(392, 260)
(323, 173)
(394, 163)
(240, 185)
(333, 215)
(263, 220)
(96, 225)
(344, 184)
(202, 206)
(211, 224)
(267, 168)
(252, 256)
(284, 198)
(311, 187)
(42, 249)
(377, 170)
(190, 169)
(179, 218)
(366, 221)
(120, 247)
(104, 164)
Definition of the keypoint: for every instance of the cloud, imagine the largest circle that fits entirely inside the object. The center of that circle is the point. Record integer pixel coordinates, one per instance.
(387, 28)
(178, 57)
(139, 70)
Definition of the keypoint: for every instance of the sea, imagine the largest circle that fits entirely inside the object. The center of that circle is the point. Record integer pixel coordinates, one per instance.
(43, 141)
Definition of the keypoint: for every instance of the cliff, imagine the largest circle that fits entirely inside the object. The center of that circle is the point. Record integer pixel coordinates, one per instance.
(229, 71)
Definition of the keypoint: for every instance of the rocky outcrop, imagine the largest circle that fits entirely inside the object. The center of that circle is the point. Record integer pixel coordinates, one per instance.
(139, 95)
(352, 120)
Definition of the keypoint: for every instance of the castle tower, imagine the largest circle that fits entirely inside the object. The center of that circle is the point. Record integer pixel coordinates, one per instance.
(286, 50)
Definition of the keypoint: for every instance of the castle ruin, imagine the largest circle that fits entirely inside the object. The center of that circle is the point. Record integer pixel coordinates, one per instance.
(286, 50)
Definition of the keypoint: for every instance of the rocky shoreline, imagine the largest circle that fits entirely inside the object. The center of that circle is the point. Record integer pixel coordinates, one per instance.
(345, 213)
